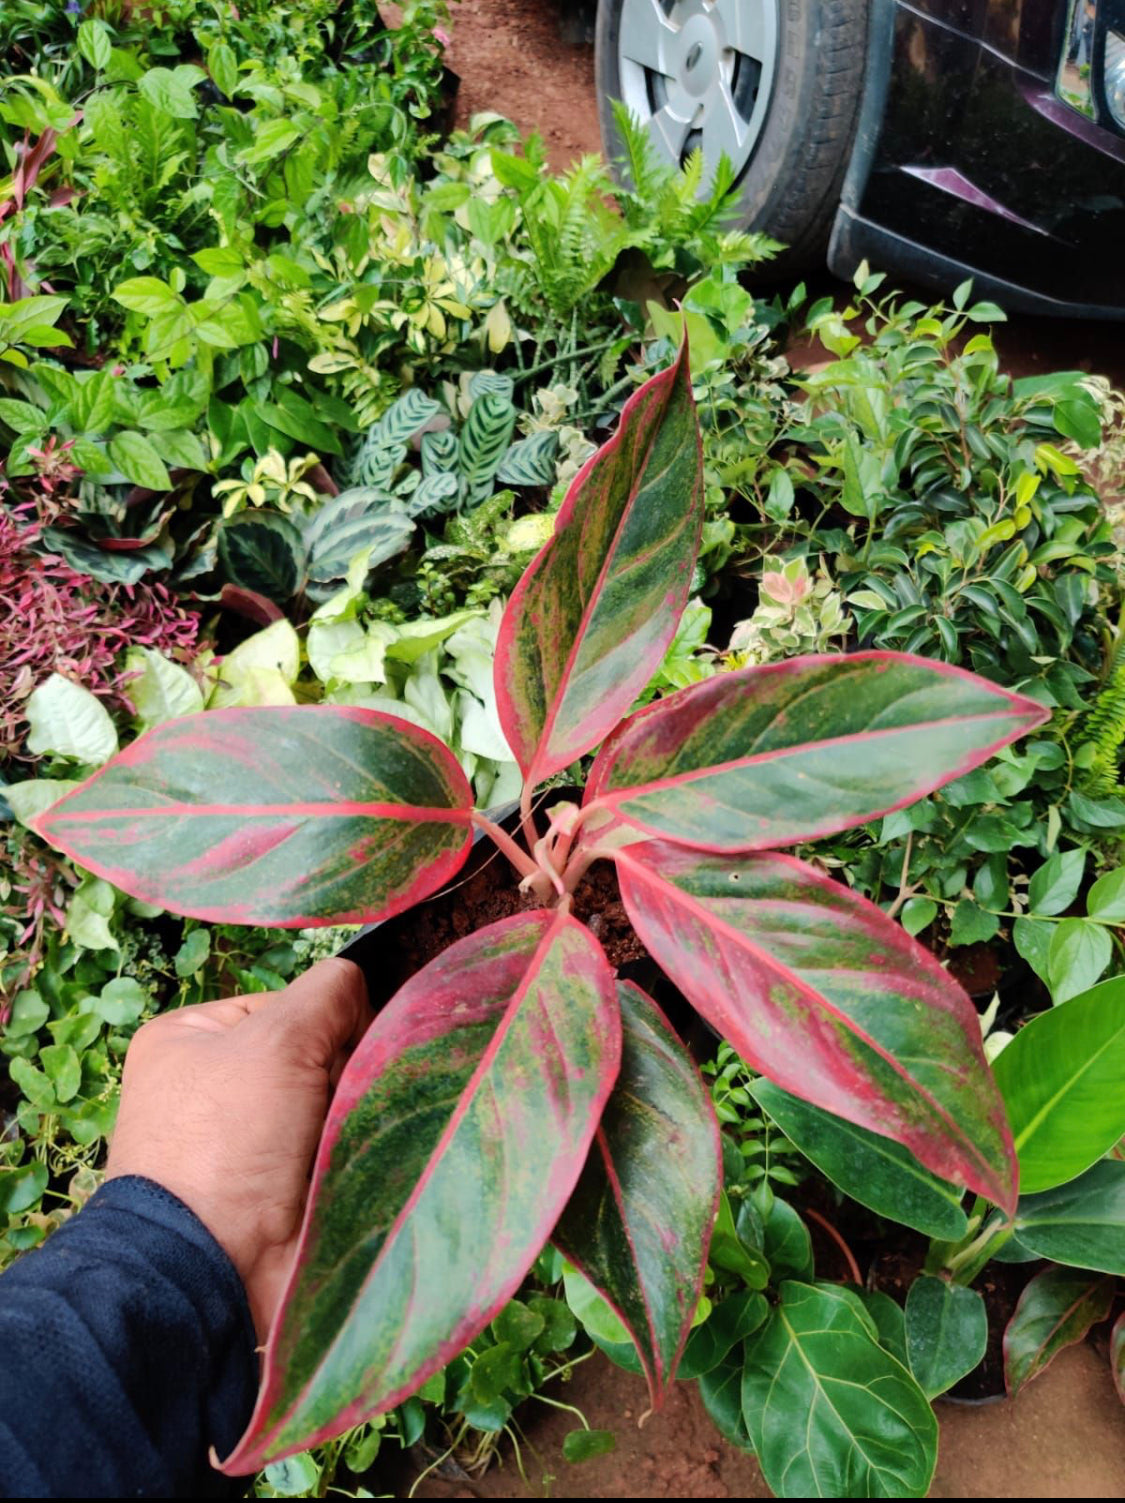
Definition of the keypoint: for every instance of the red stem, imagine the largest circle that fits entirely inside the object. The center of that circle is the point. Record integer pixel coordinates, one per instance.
(853, 1266)
(519, 858)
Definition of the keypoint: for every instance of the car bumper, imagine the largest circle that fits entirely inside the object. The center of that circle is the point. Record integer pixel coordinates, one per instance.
(968, 162)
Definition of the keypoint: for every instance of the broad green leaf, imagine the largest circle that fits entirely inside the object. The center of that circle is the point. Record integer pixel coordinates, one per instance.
(265, 664)
(289, 816)
(193, 952)
(1061, 1081)
(1055, 885)
(1032, 939)
(918, 914)
(138, 461)
(794, 750)
(146, 295)
(946, 1332)
(456, 1135)
(88, 914)
(1055, 1310)
(731, 1252)
(721, 1391)
(270, 139)
(728, 1325)
(94, 43)
(871, 1168)
(66, 720)
(1079, 953)
(639, 1222)
(1081, 1223)
(819, 990)
(63, 1069)
(590, 621)
(224, 67)
(889, 1319)
(582, 1445)
(600, 1321)
(121, 1001)
(786, 1244)
(160, 689)
(21, 1188)
(830, 1413)
(1106, 899)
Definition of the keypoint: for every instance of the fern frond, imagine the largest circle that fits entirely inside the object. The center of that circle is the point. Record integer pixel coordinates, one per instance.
(1103, 729)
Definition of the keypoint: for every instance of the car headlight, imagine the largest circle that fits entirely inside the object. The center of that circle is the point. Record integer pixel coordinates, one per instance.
(1114, 76)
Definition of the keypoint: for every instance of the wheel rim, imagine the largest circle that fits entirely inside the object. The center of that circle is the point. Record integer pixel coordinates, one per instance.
(699, 73)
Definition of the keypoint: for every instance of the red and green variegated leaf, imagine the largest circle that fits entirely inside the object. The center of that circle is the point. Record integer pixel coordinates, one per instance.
(771, 755)
(1056, 1309)
(592, 617)
(291, 815)
(639, 1223)
(822, 992)
(456, 1135)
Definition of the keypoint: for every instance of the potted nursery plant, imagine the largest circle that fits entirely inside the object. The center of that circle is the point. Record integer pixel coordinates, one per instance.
(514, 1091)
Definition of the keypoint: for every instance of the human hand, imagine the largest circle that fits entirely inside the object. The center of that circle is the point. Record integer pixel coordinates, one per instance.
(223, 1104)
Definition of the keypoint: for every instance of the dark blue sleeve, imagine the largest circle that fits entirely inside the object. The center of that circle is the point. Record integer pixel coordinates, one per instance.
(126, 1352)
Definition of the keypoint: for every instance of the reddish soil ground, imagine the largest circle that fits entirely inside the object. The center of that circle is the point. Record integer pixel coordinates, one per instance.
(1064, 1437)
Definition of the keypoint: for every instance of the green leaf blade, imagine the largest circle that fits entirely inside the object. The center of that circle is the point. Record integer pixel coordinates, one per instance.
(946, 1332)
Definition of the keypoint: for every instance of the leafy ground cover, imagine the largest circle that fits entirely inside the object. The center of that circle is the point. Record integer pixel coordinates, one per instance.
(296, 385)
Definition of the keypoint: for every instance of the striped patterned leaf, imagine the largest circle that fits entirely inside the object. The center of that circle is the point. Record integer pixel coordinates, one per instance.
(1055, 1310)
(771, 755)
(433, 493)
(404, 417)
(530, 461)
(819, 990)
(439, 452)
(290, 815)
(375, 464)
(592, 617)
(355, 520)
(264, 552)
(639, 1223)
(456, 1135)
(484, 441)
(490, 383)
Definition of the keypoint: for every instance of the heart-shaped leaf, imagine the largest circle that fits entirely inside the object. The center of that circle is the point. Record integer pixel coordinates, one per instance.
(1061, 1082)
(728, 1325)
(830, 1413)
(591, 619)
(456, 1135)
(291, 816)
(639, 1223)
(818, 989)
(1056, 1309)
(1081, 1223)
(771, 755)
(875, 1170)
(946, 1332)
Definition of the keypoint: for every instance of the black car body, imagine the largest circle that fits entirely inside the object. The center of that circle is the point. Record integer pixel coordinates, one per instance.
(985, 147)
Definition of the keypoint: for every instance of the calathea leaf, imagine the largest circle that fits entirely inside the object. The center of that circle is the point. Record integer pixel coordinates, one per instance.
(771, 755)
(353, 522)
(1061, 1082)
(439, 452)
(639, 1223)
(832, 1414)
(946, 1332)
(263, 551)
(1081, 1223)
(405, 417)
(484, 440)
(875, 1170)
(433, 494)
(456, 1135)
(591, 619)
(819, 990)
(530, 461)
(290, 815)
(1056, 1309)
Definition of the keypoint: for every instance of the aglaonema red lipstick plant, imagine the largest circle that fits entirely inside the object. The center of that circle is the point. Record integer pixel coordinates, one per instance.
(514, 1090)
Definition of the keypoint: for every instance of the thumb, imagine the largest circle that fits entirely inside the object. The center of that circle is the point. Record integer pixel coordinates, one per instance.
(319, 1016)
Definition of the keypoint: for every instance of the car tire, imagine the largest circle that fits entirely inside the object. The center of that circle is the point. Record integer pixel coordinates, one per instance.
(789, 187)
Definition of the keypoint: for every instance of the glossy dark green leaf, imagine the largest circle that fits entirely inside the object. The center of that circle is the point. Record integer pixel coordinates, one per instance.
(1061, 1079)
(456, 1135)
(639, 1222)
(946, 1332)
(1055, 1310)
(786, 1244)
(1081, 1223)
(727, 1326)
(816, 988)
(263, 551)
(830, 1413)
(291, 815)
(874, 1170)
(593, 615)
(721, 1392)
(734, 1253)
(890, 1321)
